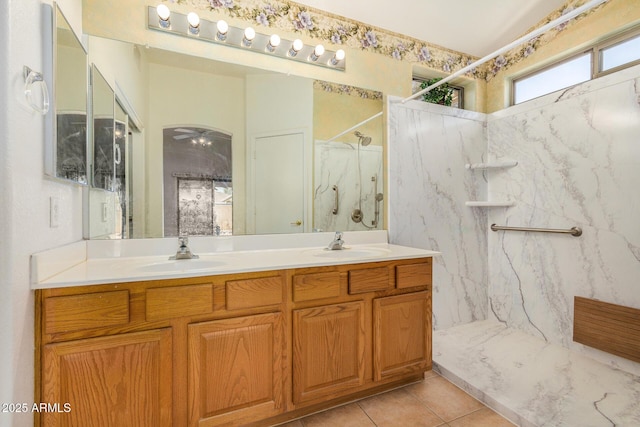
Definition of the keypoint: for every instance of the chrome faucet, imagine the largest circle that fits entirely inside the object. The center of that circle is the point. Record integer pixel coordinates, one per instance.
(337, 242)
(183, 250)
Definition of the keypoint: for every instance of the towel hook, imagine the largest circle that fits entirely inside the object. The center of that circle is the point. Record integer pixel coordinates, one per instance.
(30, 79)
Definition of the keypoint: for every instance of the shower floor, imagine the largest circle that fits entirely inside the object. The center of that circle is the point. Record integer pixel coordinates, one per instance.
(534, 383)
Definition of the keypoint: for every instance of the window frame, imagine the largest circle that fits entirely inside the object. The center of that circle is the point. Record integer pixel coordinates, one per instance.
(460, 90)
(596, 62)
(547, 68)
(611, 42)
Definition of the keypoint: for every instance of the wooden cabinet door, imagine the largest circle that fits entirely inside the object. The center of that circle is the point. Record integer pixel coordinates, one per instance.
(401, 335)
(121, 380)
(236, 370)
(328, 350)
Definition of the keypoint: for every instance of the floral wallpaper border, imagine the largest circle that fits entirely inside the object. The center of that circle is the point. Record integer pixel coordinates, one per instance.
(517, 54)
(293, 17)
(347, 90)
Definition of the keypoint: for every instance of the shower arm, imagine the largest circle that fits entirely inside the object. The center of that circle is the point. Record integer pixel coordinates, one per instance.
(562, 19)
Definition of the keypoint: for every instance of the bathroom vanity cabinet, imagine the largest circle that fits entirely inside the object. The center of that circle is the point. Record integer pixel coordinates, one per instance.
(239, 349)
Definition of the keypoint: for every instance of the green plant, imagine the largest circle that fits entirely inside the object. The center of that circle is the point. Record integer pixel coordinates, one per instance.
(442, 94)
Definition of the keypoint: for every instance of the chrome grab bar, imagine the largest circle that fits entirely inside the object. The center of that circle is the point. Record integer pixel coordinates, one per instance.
(574, 231)
(335, 203)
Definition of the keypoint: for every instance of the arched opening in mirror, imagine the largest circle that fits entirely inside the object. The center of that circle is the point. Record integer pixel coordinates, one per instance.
(198, 185)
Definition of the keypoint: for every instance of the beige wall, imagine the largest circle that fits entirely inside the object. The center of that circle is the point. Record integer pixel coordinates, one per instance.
(615, 16)
(334, 112)
(180, 97)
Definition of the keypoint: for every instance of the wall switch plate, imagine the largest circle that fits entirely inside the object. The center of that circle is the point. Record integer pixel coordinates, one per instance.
(54, 212)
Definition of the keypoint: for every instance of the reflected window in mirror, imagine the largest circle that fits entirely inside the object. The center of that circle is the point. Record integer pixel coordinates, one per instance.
(198, 185)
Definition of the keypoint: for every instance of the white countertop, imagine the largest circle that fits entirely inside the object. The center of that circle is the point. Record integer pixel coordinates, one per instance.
(119, 269)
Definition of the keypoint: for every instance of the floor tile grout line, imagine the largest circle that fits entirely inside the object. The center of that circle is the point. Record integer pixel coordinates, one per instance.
(365, 412)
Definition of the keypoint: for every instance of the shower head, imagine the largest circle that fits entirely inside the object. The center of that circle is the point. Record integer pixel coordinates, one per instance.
(362, 139)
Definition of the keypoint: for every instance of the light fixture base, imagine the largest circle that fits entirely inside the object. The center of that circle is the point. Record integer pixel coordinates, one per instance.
(234, 38)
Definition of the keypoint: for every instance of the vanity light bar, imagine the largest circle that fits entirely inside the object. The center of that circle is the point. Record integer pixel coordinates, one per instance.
(209, 31)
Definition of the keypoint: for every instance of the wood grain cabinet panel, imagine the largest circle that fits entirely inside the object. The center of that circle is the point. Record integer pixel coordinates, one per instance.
(369, 280)
(253, 293)
(236, 370)
(86, 311)
(328, 350)
(307, 287)
(411, 275)
(401, 334)
(122, 380)
(179, 301)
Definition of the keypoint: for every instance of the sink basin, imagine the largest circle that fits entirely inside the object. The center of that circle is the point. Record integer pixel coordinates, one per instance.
(348, 252)
(170, 266)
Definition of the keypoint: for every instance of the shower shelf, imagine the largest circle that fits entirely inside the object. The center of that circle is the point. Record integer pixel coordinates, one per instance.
(487, 204)
(492, 165)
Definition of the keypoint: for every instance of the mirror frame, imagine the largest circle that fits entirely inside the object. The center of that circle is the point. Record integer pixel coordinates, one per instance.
(52, 139)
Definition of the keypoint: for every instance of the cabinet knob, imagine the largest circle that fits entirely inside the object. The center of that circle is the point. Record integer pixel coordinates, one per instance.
(298, 223)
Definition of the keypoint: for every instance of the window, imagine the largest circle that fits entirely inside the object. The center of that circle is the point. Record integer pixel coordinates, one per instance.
(457, 95)
(620, 53)
(610, 55)
(567, 73)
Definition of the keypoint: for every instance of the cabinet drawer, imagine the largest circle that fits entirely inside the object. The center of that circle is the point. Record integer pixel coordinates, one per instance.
(369, 279)
(252, 293)
(88, 311)
(179, 301)
(308, 287)
(411, 275)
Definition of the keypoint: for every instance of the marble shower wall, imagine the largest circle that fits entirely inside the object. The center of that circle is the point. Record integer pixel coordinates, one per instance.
(579, 165)
(429, 146)
(336, 163)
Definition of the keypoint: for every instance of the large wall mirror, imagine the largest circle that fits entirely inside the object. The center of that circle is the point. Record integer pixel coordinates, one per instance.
(225, 149)
(66, 151)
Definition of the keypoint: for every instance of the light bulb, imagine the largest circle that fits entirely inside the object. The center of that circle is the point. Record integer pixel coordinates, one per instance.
(274, 42)
(337, 57)
(317, 53)
(249, 35)
(295, 47)
(222, 27)
(194, 22)
(163, 14)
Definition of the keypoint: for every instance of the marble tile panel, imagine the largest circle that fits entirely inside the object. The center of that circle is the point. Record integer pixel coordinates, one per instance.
(578, 165)
(533, 382)
(428, 186)
(338, 164)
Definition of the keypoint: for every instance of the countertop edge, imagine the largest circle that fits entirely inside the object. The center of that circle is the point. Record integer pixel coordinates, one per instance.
(76, 277)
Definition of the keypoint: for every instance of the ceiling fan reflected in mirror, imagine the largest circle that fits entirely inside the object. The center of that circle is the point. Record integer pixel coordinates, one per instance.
(194, 135)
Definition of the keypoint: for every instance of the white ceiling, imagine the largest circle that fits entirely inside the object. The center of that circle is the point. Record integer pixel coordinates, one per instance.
(474, 27)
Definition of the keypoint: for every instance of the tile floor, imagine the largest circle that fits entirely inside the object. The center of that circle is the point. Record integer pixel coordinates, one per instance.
(431, 403)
